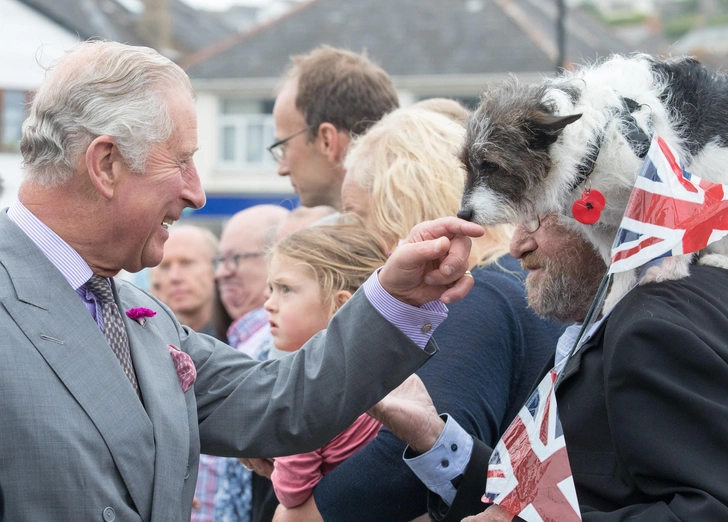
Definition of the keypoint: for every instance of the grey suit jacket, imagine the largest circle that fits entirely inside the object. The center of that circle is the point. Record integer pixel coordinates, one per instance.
(77, 444)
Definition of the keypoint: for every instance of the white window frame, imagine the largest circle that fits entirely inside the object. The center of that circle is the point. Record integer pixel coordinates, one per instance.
(241, 122)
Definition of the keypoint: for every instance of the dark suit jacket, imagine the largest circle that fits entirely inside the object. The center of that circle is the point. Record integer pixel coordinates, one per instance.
(644, 407)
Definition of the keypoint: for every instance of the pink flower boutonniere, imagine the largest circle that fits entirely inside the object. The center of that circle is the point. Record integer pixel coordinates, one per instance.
(140, 314)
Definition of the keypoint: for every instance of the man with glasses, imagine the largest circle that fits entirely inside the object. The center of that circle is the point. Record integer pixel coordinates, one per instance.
(565, 272)
(241, 275)
(329, 96)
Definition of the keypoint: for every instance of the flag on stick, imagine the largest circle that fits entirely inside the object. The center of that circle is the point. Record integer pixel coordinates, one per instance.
(529, 473)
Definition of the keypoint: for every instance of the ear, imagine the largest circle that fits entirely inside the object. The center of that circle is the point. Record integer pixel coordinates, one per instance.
(332, 142)
(546, 128)
(102, 164)
(341, 297)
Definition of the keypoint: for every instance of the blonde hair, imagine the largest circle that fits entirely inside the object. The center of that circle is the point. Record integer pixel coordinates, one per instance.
(408, 163)
(445, 106)
(342, 255)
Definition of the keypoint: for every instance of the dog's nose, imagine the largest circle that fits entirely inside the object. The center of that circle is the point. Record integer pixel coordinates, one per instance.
(466, 214)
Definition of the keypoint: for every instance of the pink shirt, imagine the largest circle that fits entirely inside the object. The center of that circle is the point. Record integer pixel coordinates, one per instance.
(295, 477)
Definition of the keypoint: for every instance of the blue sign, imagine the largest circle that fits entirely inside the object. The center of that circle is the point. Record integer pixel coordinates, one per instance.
(219, 205)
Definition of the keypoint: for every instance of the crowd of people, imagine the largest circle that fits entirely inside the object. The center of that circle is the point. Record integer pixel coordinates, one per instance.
(356, 358)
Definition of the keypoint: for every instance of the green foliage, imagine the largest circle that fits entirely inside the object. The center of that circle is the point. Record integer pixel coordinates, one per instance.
(676, 27)
(626, 19)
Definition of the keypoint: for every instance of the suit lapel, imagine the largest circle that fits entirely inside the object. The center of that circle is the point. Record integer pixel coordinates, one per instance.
(574, 364)
(164, 402)
(58, 324)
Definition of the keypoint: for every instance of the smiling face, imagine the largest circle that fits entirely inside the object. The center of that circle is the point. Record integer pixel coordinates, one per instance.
(146, 203)
(297, 311)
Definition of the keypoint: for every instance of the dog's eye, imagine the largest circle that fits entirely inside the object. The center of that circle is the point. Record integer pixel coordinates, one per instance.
(488, 166)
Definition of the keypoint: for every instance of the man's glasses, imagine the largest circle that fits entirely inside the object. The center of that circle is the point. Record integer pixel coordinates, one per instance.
(531, 225)
(232, 262)
(278, 151)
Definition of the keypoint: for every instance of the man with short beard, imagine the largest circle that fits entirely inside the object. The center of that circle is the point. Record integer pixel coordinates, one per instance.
(642, 401)
(565, 270)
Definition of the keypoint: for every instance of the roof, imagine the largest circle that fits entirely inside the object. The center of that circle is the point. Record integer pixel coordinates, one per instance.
(411, 37)
(192, 30)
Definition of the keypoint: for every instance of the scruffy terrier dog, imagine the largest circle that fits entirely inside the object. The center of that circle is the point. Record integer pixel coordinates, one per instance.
(533, 149)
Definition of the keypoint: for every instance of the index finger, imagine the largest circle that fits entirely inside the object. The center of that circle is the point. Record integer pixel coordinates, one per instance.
(454, 264)
(449, 227)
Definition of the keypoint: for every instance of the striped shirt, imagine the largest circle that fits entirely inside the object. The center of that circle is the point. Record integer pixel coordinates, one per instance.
(68, 262)
(416, 323)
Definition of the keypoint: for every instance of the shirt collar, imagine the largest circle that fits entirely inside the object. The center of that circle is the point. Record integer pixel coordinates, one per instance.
(247, 325)
(69, 262)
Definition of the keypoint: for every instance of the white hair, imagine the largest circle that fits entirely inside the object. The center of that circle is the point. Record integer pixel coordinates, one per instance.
(99, 88)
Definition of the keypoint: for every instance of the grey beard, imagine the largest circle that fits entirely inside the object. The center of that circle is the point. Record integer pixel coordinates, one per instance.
(566, 291)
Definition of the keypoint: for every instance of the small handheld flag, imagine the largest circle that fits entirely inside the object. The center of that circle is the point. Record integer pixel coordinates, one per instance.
(529, 473)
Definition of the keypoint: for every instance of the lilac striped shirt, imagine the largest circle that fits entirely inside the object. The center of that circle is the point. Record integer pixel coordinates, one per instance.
(71, 265)
(416, 323)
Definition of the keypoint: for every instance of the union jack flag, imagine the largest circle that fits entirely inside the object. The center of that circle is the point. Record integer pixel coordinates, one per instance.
(670, 212)
(529, 473)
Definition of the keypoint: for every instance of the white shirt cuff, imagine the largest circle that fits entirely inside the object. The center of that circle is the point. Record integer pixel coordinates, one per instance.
(447, 460)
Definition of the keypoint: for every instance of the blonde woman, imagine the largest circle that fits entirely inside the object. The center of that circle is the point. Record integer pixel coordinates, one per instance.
(405, 170)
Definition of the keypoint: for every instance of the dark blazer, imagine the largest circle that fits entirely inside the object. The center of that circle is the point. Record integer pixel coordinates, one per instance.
(644, 407)
(492, 345)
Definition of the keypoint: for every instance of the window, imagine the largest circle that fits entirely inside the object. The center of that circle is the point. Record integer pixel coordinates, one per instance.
(246, 129)
(12, 114)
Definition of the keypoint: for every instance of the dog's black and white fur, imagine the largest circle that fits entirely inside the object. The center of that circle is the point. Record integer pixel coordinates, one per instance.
(530, 149)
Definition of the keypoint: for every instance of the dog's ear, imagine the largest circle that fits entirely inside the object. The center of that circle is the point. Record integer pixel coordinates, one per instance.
(546, 128)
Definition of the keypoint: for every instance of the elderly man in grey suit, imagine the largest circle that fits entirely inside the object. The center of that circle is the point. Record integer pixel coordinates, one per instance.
(105, 399)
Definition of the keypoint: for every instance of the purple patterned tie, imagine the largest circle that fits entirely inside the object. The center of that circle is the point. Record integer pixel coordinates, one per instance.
(114, 329)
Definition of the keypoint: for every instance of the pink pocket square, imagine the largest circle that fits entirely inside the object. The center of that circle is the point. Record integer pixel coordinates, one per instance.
(186, 371)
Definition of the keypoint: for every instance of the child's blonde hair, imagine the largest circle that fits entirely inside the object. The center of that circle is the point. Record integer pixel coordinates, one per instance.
(341, 255)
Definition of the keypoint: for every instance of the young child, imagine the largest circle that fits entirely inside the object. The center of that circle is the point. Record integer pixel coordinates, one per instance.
(311, 274)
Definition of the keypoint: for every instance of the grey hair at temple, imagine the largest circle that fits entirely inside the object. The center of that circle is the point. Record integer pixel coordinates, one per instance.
(99, 88)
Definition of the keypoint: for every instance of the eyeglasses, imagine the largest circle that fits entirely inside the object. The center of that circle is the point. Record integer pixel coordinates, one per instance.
(531, 225)
(232, 262)
(278, 151)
